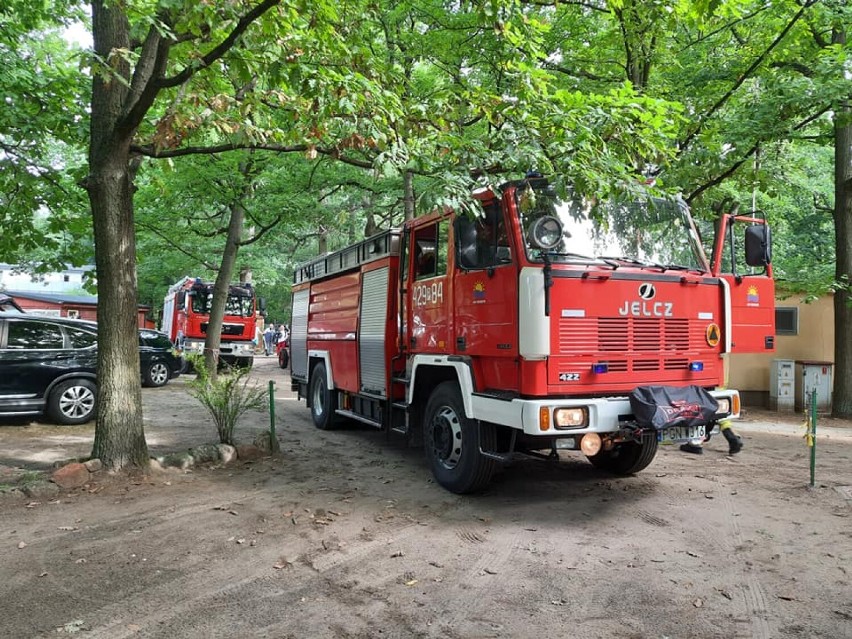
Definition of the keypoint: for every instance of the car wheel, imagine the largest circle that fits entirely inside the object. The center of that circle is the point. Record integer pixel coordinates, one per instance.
(155, 374)
(72, 401)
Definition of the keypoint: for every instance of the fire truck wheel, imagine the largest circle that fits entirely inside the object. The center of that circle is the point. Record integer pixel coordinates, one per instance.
(627, 458)
(452, 445)
(323, 400)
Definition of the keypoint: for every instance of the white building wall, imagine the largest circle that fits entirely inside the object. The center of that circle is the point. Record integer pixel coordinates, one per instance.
(70, 279)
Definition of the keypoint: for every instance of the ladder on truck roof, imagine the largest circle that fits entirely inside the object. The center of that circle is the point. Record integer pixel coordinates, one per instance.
(373, 248)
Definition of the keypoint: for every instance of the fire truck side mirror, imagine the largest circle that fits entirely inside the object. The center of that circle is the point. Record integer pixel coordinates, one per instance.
(758, 245)
(261, 304)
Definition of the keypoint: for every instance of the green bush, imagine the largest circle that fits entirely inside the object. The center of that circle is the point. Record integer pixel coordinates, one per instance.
(227, 396)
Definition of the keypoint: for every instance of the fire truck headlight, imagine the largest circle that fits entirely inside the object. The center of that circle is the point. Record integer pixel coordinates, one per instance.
(546, 232)
(574, 417)
(590, 444)
(724, 406)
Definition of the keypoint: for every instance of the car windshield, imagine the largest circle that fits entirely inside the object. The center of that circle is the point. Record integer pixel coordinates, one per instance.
(655, 232)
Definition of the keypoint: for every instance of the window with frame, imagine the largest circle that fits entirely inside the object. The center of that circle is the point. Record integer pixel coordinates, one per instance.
(786, 320)
(26, 335)
(80, 338)
(430, 251)
(482, 242)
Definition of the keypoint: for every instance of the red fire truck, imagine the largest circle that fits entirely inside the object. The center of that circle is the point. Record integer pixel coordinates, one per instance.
(540, 324)
(186, 314)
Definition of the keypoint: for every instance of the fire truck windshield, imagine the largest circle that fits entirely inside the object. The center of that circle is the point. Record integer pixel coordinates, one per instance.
(654, 233)
(238, 305)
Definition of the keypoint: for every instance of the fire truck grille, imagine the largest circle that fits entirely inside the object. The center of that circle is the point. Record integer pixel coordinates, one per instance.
(227, 329)
(659, 337)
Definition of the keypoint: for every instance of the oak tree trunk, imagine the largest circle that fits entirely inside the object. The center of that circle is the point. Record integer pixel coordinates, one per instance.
(842, 396)
(119, 435)
(221, 288)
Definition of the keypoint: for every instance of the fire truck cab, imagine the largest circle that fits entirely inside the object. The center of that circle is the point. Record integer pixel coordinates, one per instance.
(186, 316)
(538, 324)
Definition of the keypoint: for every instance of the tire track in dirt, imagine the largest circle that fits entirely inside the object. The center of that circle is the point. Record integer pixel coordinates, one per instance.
(752, 590)
(484, 575)
(215, 590)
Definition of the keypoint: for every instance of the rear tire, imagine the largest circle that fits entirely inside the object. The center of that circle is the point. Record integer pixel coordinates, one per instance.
(73, 402)
(323, 399)
(283, 358)
(452, 442)
(628, 457)
(156, 374)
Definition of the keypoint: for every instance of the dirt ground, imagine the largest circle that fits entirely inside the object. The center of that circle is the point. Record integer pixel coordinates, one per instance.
(345, 535)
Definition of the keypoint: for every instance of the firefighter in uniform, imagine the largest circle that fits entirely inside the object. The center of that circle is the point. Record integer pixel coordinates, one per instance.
(735, 442)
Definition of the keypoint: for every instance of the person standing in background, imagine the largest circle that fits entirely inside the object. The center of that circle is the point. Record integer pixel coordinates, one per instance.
(269, 339)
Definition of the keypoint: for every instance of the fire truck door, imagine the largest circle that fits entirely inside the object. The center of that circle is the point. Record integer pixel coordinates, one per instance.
(749, 279)
(485, 289)
(752, 313)
(429, 295)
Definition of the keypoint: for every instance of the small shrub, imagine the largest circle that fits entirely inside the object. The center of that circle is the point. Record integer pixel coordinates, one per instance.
(226, 396)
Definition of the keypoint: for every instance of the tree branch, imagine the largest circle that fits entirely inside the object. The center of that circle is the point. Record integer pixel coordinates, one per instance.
(745, 76)
(734, 167)
(152, 152)
(221, 49)
(177, 245)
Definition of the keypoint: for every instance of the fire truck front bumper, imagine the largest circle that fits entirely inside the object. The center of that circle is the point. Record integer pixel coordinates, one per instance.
(575, 416)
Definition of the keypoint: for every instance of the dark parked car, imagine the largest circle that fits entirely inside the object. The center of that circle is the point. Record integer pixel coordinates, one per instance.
(47, 365)
(157, 358)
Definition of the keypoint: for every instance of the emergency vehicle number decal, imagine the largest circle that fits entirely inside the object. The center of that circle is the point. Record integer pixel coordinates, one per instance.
(430, 294)
(569, 377)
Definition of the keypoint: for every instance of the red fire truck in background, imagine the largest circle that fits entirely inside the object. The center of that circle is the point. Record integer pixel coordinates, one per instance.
(186, 314)
(541, 324)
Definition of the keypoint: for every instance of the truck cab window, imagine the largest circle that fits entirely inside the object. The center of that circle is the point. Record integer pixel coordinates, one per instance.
(482, 242)
(430, 251)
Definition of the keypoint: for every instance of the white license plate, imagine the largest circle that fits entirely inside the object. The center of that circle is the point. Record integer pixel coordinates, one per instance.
(680, 434)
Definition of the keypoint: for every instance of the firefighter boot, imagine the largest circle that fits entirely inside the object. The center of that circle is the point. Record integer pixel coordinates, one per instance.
(735, 442)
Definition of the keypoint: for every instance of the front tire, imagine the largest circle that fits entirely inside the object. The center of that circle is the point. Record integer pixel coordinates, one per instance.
(452, 442)
(283, 358)
(323, 399)
(73, 402)
(628, 457)
(156, 374)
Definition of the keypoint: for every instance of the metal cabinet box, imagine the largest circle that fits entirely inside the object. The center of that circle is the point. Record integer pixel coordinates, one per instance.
(782, 385)
(814, 376)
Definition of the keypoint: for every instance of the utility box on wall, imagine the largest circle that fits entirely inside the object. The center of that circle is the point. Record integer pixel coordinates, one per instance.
(782, 385)
(812, 376)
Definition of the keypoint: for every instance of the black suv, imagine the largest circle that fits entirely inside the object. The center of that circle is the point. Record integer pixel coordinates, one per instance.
(47, 365)
(157, 358)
